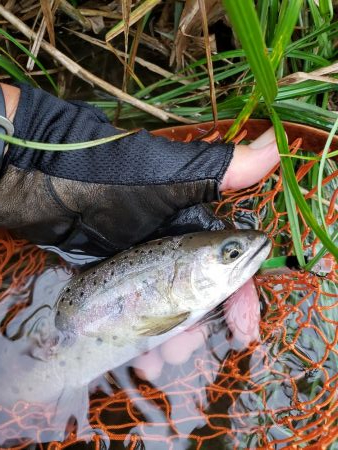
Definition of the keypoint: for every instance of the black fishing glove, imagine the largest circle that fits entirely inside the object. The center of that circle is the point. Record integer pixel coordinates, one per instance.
(106, 198)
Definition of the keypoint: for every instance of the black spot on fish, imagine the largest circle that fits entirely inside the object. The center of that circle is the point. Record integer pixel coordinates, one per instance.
(119, 304)
(68, 289)
(112, 272)
(62, 363)
(94, 273)
(136, 251)
(112, 262)
(130, 263)
(81, 294)
(190, 237)
(104, 281)
(94, 282)
(58, 313)
(99, 341)
(62, 300)
(163, 252)
(159, 243)
(82, 279)
(126, 257)
(142, 251)
(180, 244)
(55, 340)
(70, 302)
(150, 251)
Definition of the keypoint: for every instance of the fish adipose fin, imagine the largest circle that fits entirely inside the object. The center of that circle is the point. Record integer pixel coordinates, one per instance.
(155, 325)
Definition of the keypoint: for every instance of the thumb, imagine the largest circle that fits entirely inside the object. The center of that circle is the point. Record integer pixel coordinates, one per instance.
(252, 162)
(268, 137)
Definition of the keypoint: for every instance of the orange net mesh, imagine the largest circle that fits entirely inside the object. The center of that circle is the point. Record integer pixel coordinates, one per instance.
(19, 261)
(280, 393)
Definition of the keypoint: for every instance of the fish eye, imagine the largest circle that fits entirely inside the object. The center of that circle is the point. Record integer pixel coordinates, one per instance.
(231, 251)
(234, 253)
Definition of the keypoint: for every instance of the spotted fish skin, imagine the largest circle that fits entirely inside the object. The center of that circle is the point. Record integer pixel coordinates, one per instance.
(138, 299)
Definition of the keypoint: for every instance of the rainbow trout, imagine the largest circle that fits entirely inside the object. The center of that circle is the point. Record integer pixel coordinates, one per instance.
(123, 307)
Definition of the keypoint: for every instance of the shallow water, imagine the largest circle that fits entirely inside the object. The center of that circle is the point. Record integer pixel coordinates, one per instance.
(225, 396)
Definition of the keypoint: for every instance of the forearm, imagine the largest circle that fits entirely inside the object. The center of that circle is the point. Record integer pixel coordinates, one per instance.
(38, 131)
(109, 196)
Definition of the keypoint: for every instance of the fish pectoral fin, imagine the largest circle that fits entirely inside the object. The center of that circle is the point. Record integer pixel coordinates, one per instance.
(155, 325)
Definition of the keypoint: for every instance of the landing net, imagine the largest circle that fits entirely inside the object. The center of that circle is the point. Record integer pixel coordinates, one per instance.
(280, 393)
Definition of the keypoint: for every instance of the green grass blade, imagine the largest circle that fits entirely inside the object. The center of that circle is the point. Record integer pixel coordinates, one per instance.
(288, 171)
(62, 147)
(243, 116)
(294, 223)
(310, 40)
(326, 9)
(183, 90)
(28, 53)
(320, 254)
(284, 29)
(321, 172)
(12, 69)
(304, 89)
(262, 12)
(318, 21)
(317, 60)
(274, 263)
(332, 154)
(272, 19)
(245, 22)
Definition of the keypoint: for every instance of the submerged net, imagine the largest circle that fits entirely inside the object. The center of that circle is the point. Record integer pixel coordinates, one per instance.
(279, 393)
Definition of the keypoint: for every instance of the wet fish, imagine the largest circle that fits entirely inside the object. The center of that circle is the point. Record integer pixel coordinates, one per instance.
(125, 306)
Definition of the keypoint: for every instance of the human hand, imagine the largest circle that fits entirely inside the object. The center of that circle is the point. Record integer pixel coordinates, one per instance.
(248, 165)
(104, 199)
(251, 162)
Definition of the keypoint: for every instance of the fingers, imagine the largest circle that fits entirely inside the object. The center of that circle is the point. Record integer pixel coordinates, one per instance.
(190, 220)
(178, 349)
(252, 162)
(149, 365)
(264, 139)
(175, 351)
(242, 315)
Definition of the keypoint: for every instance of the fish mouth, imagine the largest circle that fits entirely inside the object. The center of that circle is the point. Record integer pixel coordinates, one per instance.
(266, 243)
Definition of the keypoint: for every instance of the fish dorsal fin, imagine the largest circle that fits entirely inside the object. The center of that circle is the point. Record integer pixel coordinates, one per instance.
(156, 325)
